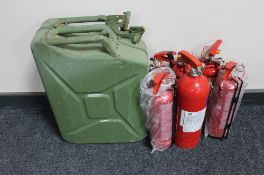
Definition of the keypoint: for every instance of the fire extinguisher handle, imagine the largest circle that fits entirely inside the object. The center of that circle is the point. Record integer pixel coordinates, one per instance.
(157, 81)
(229, 67)
(189, 58)
(214, 48)
(165, 55)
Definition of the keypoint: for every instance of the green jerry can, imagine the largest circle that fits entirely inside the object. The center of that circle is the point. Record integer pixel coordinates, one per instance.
(91, 74)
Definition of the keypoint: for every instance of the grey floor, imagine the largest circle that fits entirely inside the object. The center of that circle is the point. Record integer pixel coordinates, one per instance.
(31, 144)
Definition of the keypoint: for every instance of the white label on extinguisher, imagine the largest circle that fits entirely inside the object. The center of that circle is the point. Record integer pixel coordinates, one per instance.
(192, 121)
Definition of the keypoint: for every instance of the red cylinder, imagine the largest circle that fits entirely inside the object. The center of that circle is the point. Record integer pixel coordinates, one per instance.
(160, 121)
(220, 104)
(193, 92)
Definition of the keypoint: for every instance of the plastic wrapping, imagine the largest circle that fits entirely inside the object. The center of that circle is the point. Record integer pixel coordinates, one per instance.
(225, 101)
(158, 107)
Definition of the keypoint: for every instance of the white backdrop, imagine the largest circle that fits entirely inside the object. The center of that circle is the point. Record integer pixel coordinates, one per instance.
(170, 25)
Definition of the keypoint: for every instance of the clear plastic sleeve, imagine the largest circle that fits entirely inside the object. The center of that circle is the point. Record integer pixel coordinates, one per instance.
(225, 101)
(158, 108)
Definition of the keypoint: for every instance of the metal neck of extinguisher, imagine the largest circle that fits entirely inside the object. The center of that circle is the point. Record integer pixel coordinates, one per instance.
(195, 72)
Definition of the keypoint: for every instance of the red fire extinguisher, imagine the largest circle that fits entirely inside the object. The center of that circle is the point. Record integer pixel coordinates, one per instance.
(157, 98)
(212, 64)
(223, 103)
(179, 67)
(193, 92)
(162, 113)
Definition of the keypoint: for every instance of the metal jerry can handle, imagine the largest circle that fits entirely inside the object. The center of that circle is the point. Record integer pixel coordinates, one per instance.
(82, 19)
(114, 21)
(118, 24)
(57, 36)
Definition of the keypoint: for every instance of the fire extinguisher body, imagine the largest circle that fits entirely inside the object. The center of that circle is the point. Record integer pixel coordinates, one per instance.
(220, 105)
(161, 120)
(193, 92)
